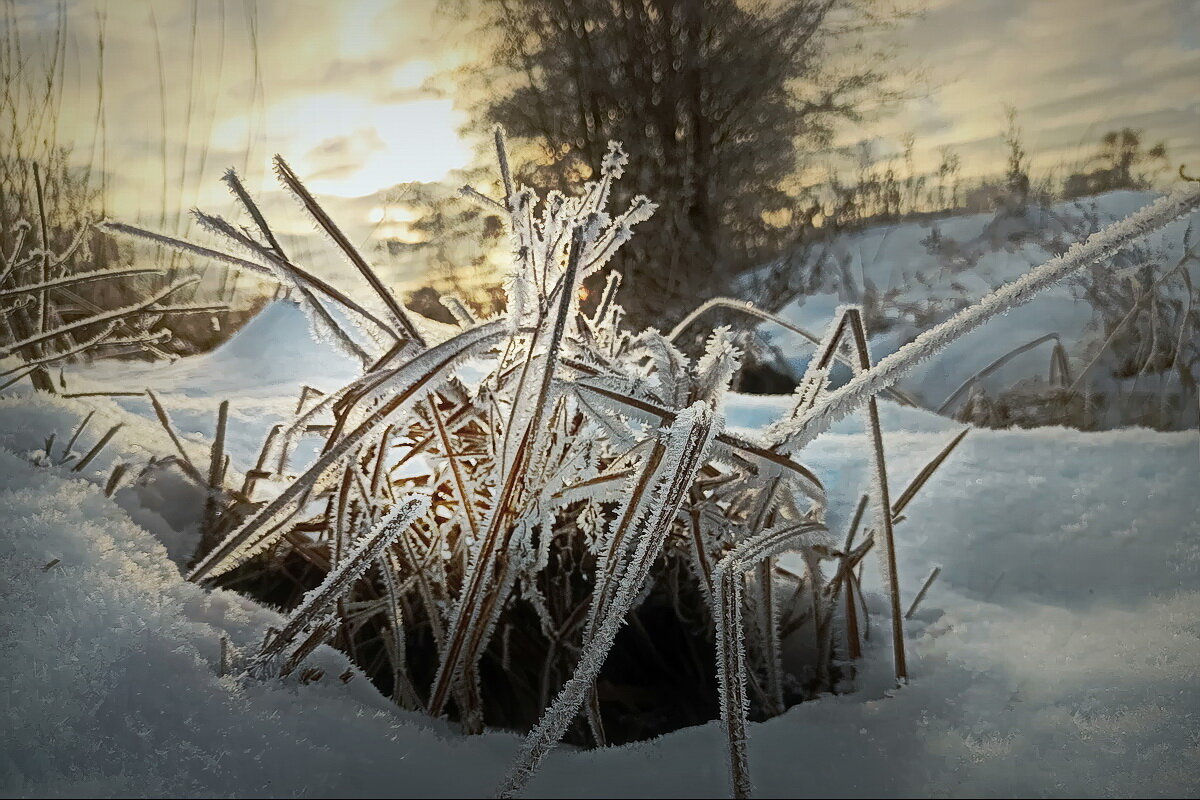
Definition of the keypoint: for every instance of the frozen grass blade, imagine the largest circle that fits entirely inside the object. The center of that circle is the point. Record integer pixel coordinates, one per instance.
(319, 600)
(845, 574)
(730, 635)
(284, 269)
(290, 181)
(114, 479)
(474, 614)
(410, 380)
(179, 245)
(882, 497)
(75, 279)
(259, 472)
(686, 444)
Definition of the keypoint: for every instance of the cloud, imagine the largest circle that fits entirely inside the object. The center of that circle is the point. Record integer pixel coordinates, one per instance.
(344, 90)
(176, 99)
(341, 156)
(1072, 69)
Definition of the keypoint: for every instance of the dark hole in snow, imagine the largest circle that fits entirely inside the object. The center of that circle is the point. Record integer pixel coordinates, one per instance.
(659, 677)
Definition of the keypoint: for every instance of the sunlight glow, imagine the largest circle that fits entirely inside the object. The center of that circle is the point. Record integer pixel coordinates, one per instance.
(411, 74)
(345, 145)
(392, 214)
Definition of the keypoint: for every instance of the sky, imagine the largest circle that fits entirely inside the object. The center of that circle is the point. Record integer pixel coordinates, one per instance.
(183, 89)
(1073, 69)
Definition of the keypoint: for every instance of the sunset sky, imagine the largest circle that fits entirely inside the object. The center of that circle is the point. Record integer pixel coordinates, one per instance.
(346, 90)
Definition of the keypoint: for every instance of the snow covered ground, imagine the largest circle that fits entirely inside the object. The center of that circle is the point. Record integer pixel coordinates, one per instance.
(1057, 654)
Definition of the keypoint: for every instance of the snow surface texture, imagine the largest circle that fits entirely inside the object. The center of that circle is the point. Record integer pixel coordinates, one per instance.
(1057, 654)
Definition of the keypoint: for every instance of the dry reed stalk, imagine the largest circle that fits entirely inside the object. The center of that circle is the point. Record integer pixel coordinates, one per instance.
(933, 575)
(163, 419)
(217, 466)
(97, 448)
(114, 479)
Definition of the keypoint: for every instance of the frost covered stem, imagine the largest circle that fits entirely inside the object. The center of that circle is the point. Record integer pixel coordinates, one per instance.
(326, 223)
(181, 246)
(729, 632)
(28, 366)
(115, 314)
(731, 657)
(44, 262)
(1100, 245)
(82, 277)
(476, 609)
(407, 383)
(338, 580)
(883, 505)
(688, 440)
(883, 500)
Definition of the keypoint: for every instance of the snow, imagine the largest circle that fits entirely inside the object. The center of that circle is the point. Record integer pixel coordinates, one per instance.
(1057, 654)
(261, 369)
(111, 687)
(163, 501)
(895, 260)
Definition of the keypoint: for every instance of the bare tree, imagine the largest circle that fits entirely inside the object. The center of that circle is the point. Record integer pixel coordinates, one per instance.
(723, 99)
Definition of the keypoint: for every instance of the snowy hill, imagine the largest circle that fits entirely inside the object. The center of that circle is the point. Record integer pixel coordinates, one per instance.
(911, 275)
(272, 354)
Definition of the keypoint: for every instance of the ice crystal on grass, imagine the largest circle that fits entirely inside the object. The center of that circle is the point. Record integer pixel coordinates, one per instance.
(311, 614)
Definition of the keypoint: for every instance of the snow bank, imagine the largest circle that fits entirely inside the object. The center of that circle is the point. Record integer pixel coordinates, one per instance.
(272, 354)
(1058, 654)
(260, 370)
(111, 683)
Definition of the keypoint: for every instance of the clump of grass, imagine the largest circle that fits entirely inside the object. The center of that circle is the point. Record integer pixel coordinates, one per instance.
(577, 478)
